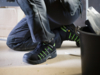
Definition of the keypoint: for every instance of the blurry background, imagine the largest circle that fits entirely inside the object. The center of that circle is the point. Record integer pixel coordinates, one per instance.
(11, 62)
(94, 3)
(12, 14)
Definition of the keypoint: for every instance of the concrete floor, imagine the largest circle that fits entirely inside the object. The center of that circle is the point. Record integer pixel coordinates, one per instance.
(11, 62)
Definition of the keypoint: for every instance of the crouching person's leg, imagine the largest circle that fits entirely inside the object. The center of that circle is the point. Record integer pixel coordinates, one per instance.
(20, 38)
(24, 45)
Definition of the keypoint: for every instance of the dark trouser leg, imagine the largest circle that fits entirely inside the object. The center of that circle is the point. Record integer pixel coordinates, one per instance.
(58, 15)
(37, 20)
(20, 38)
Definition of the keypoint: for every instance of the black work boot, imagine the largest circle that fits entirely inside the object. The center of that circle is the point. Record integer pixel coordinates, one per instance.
(41, 53)
(68, 33)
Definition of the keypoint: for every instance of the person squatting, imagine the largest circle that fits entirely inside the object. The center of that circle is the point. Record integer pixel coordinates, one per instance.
(46, 25)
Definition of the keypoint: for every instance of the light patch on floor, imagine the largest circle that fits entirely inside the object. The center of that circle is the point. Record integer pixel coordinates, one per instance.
(67, 62)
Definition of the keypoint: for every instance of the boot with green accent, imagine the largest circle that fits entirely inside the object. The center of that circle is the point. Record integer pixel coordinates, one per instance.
(42, 52)
(67, 32)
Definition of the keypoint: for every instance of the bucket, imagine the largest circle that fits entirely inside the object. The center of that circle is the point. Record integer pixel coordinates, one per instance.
(90, 52)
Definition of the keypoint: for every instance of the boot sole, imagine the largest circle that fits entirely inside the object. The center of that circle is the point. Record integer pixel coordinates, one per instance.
(50, 56)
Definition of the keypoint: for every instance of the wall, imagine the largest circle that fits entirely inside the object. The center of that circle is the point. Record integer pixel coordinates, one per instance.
(9, 17)
(95, 4)
(80, 21)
